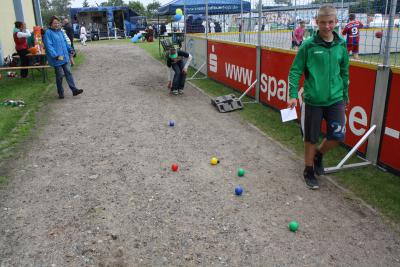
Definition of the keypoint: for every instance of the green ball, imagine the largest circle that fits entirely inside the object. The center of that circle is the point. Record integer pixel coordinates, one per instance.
(241, 172)
(293, 226)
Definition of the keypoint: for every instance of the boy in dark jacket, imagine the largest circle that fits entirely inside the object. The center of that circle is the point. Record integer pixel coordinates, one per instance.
(324, 61)
(178, 69)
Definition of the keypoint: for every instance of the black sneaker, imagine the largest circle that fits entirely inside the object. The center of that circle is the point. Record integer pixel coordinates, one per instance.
(61, 97)
(310, 180)
(180, 92)
(77, 92)
(318, 166)
(174, 92)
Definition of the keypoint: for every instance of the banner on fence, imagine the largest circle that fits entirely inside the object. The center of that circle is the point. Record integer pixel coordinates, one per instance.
(197, 46)
(233, 65)
(390, 146)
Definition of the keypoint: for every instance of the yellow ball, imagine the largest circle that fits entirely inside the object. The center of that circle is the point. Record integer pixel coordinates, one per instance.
(179, 11)
(214, 161)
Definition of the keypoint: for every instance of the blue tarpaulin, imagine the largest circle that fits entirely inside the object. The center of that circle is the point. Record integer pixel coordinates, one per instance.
(215, 7)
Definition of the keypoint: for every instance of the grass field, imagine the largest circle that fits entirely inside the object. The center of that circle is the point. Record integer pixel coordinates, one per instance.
(16, 122)
(378, 188)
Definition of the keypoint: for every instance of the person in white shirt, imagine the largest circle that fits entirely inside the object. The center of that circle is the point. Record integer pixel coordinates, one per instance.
(212, 27)
(204, 23)
(20, 35)
(256, 27)
(82, 35)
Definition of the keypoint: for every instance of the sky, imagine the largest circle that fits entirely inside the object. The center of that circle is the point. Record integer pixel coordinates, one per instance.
(78, 3)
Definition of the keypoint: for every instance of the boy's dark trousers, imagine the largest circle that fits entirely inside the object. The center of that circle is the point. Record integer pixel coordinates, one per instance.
(179, 78)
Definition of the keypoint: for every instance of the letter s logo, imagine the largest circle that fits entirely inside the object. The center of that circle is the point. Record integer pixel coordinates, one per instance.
(213, 60)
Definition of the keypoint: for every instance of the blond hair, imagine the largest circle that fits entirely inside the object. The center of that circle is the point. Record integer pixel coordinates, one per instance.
(327, 10)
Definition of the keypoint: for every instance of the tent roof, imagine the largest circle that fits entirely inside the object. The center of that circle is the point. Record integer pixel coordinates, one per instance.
(198, 7)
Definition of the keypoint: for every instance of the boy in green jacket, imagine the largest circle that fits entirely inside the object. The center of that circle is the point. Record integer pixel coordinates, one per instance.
(324, 61)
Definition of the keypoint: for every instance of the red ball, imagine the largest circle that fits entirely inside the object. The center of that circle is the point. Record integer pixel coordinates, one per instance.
(378, 34)
(174, 167)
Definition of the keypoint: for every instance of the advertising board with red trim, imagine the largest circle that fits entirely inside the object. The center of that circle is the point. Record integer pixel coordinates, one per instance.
(390, 146)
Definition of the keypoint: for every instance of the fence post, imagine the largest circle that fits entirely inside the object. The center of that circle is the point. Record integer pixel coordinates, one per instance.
(241, 22)
(380, 93)
(184, 22)
(258, 53)
(389, 33)
(206, 2)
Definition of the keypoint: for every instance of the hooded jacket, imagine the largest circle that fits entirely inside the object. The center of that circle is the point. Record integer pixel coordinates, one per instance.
(56, 45)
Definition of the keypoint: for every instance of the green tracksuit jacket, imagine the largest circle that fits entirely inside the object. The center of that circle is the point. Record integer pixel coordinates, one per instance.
(326, 71)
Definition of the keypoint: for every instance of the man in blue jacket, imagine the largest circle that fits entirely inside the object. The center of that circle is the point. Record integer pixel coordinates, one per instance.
(58, 53)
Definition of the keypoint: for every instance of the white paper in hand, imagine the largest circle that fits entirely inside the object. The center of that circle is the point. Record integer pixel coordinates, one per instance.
(288, 114)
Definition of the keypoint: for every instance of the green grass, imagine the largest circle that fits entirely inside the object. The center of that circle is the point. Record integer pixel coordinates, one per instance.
(3, 180)
(378, 59)
(378, 188)
(16, 123)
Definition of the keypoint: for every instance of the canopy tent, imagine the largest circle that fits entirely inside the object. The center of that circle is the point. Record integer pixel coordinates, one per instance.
(215, 7)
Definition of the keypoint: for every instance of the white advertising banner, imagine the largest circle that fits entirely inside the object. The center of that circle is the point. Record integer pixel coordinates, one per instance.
(197, 46)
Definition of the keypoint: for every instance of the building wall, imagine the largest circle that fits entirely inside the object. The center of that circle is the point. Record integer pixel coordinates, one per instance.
(8, 17)
(29, 14)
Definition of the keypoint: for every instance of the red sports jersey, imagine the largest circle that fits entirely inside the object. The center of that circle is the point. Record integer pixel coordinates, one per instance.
(352, 30)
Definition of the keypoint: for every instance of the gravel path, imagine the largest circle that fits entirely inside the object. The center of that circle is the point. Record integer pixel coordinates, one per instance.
(95, 188)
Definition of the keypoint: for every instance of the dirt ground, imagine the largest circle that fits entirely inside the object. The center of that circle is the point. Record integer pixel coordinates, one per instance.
(95, 188)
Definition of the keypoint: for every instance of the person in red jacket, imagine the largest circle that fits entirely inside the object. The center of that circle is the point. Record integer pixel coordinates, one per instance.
(21, 45)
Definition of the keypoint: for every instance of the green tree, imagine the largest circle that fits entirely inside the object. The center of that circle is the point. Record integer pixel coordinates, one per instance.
(113, 3)
(138, 7)
(286, 2)
(152, 8)
(60, 7)
(85, 3)
(54, 8)
(45, 10)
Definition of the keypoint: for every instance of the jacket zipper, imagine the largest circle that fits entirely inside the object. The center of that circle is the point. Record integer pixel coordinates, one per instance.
(329, 73)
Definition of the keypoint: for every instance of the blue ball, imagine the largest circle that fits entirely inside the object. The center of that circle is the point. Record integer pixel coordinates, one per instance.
(238, 190)
(171, 123)
(177, 17)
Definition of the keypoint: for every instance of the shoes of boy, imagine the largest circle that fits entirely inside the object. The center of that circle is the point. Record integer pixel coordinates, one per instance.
(175, 92)
(318, 166)
(60, 97)
(77, 92)
(180, 91)
(310, 180)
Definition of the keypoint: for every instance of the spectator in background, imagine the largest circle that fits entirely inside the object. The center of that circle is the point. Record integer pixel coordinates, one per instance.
(298, 35)
(58, 54)
(204, 24)
(352, 31)
(256, 27)
(212, 27)
(21, 45)
(69, 31)
(163, 29)
(82, 34)
(218, 27)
